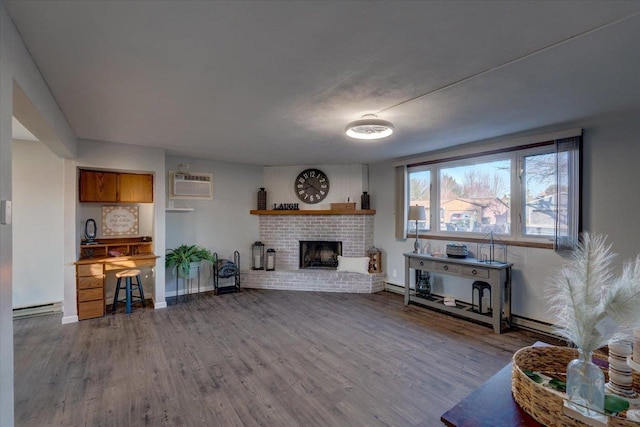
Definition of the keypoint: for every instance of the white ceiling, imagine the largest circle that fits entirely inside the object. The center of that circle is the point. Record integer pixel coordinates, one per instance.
(275, 82)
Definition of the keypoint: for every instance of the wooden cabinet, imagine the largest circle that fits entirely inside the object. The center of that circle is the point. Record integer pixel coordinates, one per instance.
(97, 186)
(115, 187)
(90, 290)
(135, 188)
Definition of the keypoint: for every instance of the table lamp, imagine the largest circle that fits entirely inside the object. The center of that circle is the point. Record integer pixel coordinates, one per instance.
(417, 213)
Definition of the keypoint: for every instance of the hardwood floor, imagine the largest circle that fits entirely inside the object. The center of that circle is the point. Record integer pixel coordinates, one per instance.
(256, 358)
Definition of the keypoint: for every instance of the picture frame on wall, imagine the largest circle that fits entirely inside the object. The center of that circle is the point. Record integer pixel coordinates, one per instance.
(120, 221)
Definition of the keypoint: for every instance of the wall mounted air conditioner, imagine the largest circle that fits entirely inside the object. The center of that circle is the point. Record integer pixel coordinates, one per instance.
(194, 186)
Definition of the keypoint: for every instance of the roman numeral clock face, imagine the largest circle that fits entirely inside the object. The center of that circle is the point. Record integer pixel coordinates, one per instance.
(312, 186)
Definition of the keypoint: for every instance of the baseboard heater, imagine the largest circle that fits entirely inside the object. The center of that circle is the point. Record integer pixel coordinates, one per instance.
(534, 325)
(392, 287)
(518, 321)
(37, 310)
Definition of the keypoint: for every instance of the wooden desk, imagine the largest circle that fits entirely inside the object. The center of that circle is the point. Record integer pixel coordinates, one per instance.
(90, 280)
(498, 275)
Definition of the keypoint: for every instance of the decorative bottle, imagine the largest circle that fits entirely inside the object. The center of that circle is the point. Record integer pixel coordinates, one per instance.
(262, 199)
(364, 201)
(585, 385)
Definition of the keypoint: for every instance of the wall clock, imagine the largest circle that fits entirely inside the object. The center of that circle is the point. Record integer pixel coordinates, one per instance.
(311, 186)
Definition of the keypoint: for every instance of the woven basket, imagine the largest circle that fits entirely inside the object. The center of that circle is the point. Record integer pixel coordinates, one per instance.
(543, 403)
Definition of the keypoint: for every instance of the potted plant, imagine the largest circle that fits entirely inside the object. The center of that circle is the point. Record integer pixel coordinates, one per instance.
(184, 257)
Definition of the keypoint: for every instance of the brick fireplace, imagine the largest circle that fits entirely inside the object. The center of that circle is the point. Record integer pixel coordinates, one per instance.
(319, 254)
(284, 232)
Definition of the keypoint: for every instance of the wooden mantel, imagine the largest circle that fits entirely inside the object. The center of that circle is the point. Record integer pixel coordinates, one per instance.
(315, 212)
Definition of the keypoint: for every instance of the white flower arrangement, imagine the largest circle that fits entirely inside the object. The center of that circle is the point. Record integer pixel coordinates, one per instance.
(590, 304)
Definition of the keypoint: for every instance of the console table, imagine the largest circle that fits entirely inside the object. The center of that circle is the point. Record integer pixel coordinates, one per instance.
(496, 274)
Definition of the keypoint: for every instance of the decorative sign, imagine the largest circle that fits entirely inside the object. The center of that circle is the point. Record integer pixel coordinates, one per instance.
(120, 221)
(286, 207)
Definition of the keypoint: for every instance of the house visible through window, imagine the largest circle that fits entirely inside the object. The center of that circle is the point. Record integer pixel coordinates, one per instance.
(476, 198)
(528, 193)
(420, 194)
(543, 200)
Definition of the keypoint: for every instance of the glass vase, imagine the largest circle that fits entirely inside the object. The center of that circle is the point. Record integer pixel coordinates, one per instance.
(423, 283)
(585, 385)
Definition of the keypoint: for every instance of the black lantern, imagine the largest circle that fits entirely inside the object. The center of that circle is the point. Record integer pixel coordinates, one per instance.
(271, 260)
(257, 256)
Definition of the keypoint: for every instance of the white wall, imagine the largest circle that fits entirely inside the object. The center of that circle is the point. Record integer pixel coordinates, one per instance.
(611, 201)
(345, 182)
(38, 273)
(121, 157)
(17, 68)
(223, 224)
(93, 211)
(610, 206)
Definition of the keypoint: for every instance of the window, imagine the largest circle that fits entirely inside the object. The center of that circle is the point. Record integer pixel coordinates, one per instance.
(528, 193)
(420, 194)
(542, 199)
(475, 198)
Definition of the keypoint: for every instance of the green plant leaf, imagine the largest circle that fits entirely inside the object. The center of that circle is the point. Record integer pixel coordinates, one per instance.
(181, 257)
(535, 377)
(558, 385)
(614, 404)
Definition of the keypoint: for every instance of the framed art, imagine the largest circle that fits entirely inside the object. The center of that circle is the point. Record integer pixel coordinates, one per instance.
(120, 221)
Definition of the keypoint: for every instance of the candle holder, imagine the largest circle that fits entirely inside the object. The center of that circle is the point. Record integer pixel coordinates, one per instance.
(620, 374)
(270, 264)
(492, 250)
(257, 256)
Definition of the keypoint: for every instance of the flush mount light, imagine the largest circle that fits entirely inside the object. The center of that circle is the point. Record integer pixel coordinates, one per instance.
(370, 127)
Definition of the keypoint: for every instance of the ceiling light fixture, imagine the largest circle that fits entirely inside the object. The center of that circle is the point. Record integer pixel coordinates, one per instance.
(370, 127)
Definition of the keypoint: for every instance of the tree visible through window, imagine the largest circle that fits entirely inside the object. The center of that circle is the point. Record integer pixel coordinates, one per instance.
(535, 187)
(545, 203)
(476, 198)
(420, 194)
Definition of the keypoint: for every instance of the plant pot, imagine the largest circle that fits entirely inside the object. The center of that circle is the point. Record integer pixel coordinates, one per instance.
(193, 271)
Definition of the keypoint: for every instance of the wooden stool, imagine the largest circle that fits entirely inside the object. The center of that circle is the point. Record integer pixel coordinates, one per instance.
(128, 287)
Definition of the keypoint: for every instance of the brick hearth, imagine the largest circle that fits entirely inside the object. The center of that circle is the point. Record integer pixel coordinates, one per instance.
(283, 233)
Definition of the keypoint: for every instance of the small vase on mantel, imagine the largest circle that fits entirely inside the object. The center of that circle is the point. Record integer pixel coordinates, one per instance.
(585, 385)
(365, 201)
(262, 199)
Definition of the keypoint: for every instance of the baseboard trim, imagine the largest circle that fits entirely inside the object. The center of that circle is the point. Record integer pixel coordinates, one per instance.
(157, 305)
(37, 310)
(534, 325)
(517, 321)
(392, 287)
(193, 290)
(70, 319)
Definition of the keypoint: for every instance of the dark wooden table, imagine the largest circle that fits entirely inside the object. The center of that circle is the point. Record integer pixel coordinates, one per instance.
(491, 405)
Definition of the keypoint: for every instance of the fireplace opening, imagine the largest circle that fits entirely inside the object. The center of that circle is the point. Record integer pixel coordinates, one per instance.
(319, 254)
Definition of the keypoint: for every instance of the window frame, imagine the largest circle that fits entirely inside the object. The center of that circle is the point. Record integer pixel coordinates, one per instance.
(517, 187)
(408, 224)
